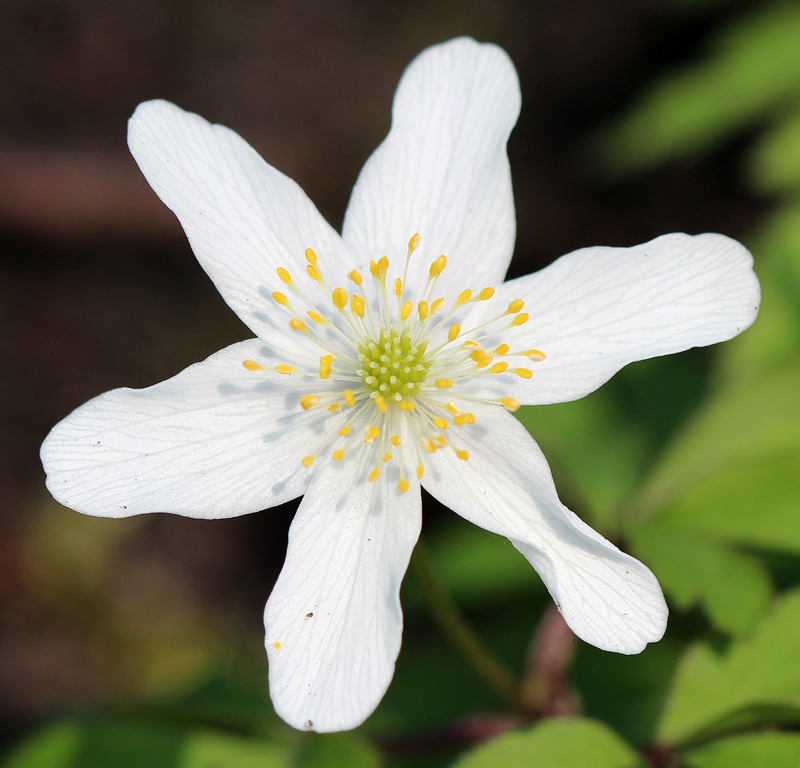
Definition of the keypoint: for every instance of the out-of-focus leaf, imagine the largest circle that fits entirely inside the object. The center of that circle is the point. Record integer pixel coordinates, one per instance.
(754, 65)
(203, 749)
(758, 420)
(760, 670)
(733, 588)
(336, 750)
(54, 746)
(576, 438)
(562, 743)
(775, 163)
(756, 505)
(752, 750)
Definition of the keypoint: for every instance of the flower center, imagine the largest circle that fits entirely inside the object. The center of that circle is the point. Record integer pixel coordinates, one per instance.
(390, 366)
(394, 366)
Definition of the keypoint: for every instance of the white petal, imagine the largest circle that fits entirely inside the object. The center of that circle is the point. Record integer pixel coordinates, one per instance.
(608, 598)
(443, 171)
(333, 621)
(214, 441)
(243, 218)
(595, 310)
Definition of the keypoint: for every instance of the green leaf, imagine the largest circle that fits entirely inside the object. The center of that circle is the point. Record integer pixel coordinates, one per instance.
(203, 749)
(755, 505)
(761, 670)
(753, 66)
(336, 750)
(53, 746)
(752, 750)
(758, 420)
(562, 743)
(733, 588)
(775, 164)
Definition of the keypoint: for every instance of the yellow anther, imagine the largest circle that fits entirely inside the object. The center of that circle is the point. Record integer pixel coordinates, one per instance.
(498, 368)
(309, 401)
(276, 645)
(478, 354)
(308, 461)
(372, 434)
(373, 268)
(297, 324)
(406, 311)
(443, 383)
(374, 475)
(387, 457)
(440, 422)
(316, 317)
(464, 297)
(339, 297)
(406, 405)
(397, 288)
(520, 319)
(357, 305)
(380, 404)
(383, 266)
(470, 344)
(486, 294)
(252, 365)
(420, 472)
(464, 418)
(325, 363)
(344, 431)
(402, 485)
(355, 276)
(284, 369)
(284, 275)
(280, 298)
(502, 349)
(440, 440)
(450, 407)
(338, 454)
(515, 306)
(535, 355)
(463, 455)
(523, 373)
(509, 403)
(413, 243)
(438, 266)
(311, 257)
(452, 334)
(437, 306)
(486, 361)
(422, 309)
(349, 398)
(428, 445)
(395, 440)
(335, 407)
(313, 272)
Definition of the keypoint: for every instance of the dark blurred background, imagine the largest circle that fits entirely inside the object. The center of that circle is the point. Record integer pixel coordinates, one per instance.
(98, 288)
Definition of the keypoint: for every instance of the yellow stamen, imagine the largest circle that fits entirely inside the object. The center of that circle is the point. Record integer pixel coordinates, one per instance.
(387, 457)
(498, 368)
(309, 401)
(406, 311)
(464, 418)
(485, 362)
(452, 334)
(284, 275)
(355, 276)
(509, 403)
(438, 266)
(502, 349)
(413, 243)
(339, 297)
(420, 472)
(443, 383)
(520, 319)
(280, 298)
(402, 485)
(395, 439)
(437, 306)
(450, 407)
(464, 297)
(523, 373)
(297, 324)
(515, 306)
(344, 431)
(463, 455)
(348, 397)
(427, 445)
(252, 365)
(284, 369)
(373, 476)
(372, 434)
(535, 355)
(335, 407)
(406, 405)
(313, 272)
(422, 309)
(357, 305)
(338, 454)
(440, 422)
(440, 440)
(308, 461)
(317, 318)
(311, 257)
(486, 294)
(397, 288)
(380, 404)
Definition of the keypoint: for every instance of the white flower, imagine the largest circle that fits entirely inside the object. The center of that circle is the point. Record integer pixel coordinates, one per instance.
(380, 365)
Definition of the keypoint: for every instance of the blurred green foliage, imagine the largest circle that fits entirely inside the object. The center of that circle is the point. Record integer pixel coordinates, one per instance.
(706, 491)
